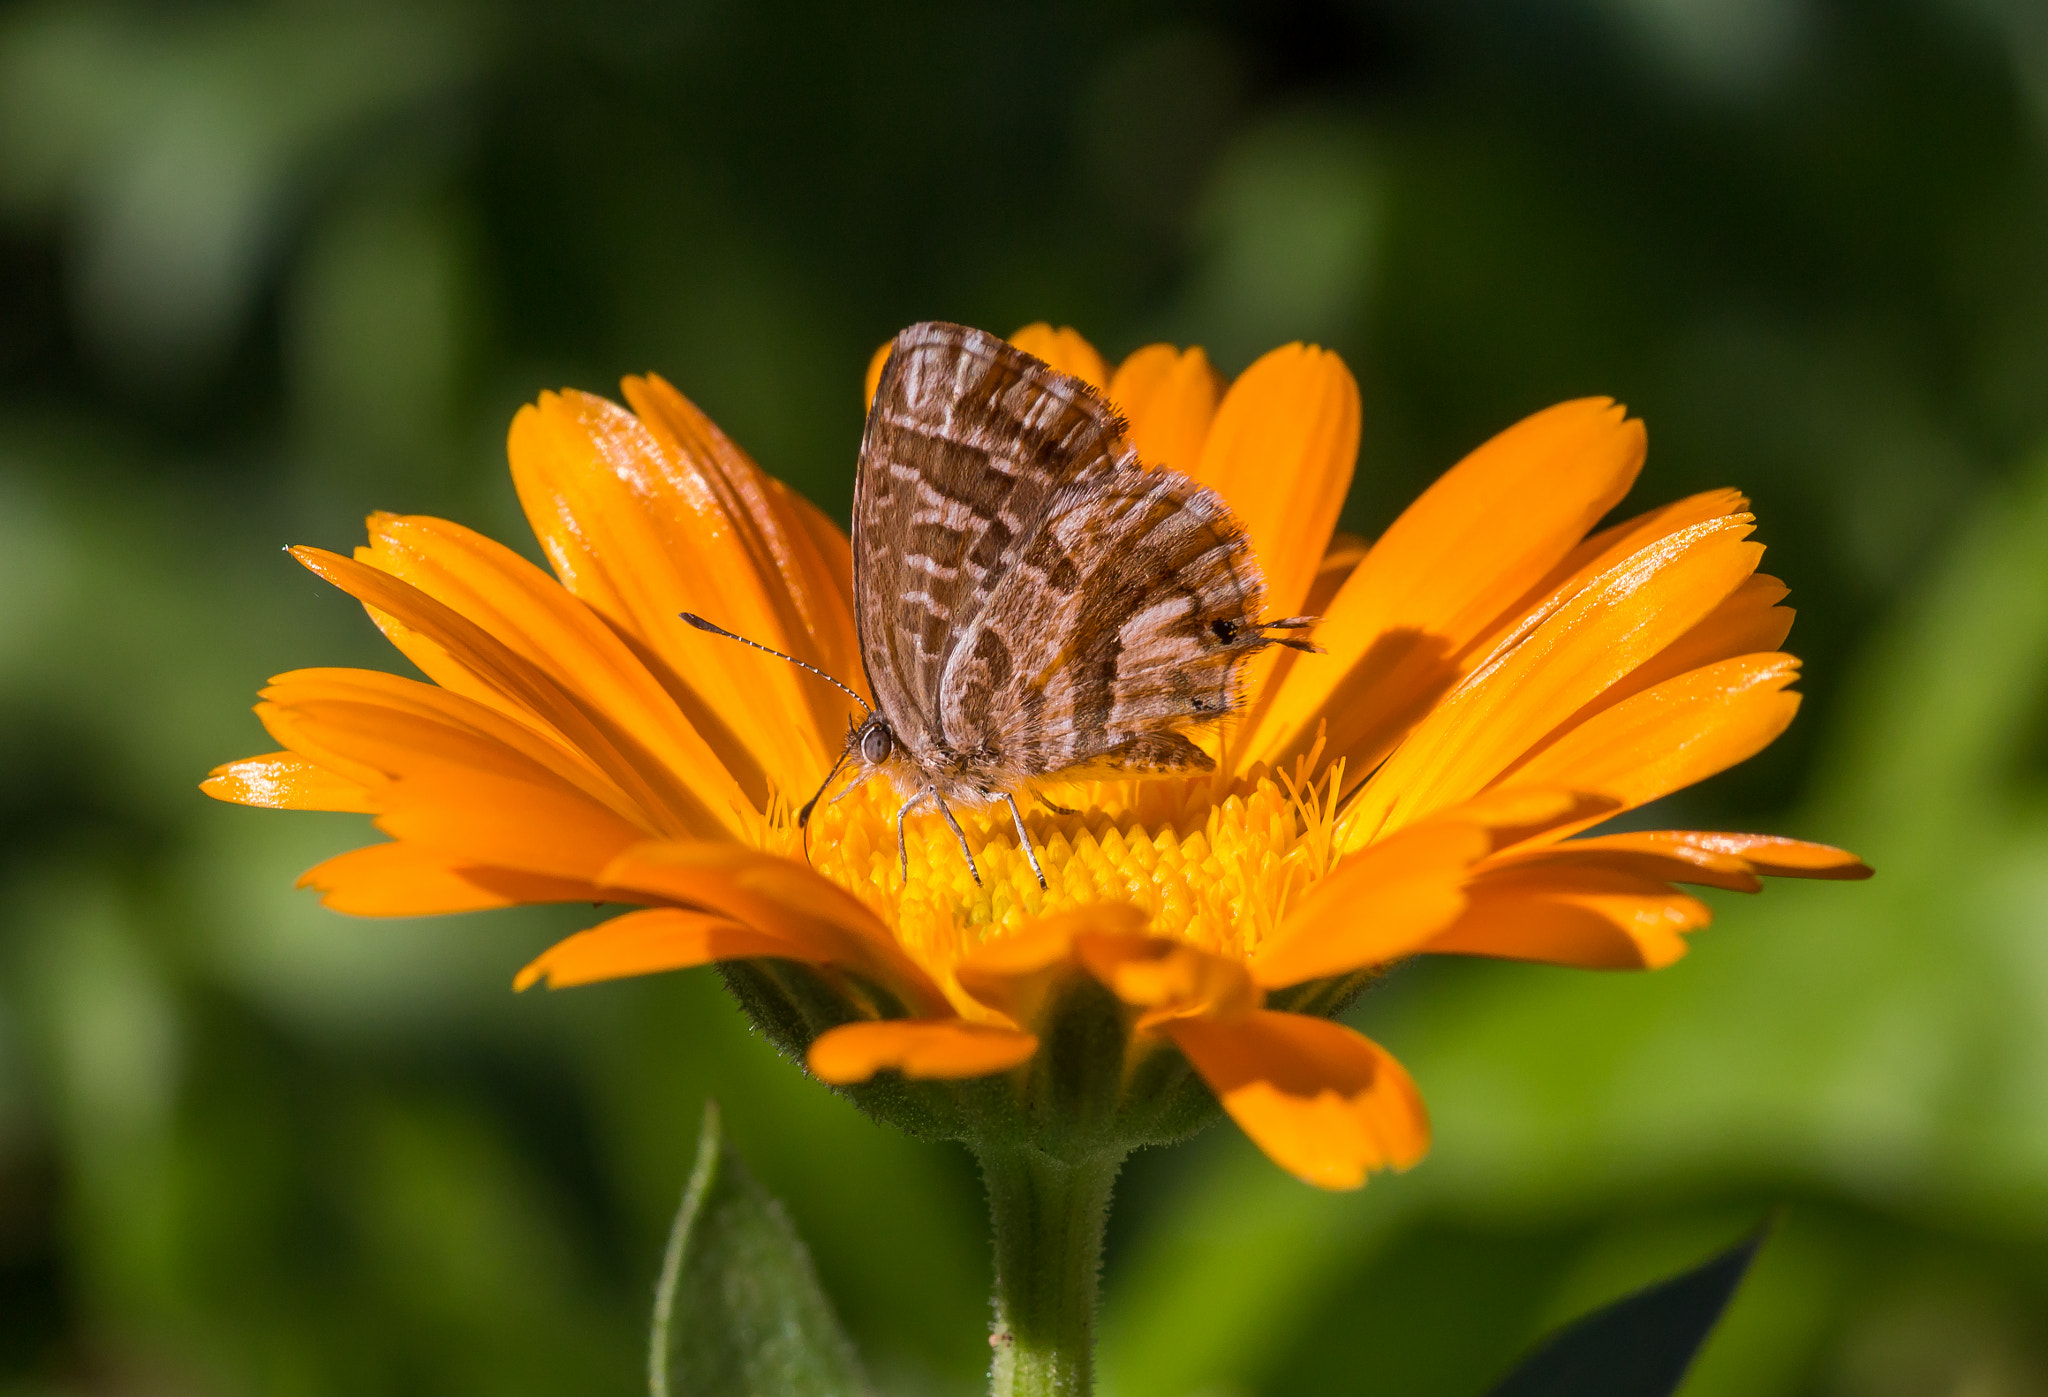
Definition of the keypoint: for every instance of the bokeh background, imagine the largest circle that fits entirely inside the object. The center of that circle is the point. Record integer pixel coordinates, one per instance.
(267, 266)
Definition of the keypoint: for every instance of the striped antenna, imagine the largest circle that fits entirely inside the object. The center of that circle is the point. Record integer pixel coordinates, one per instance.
(703, 625)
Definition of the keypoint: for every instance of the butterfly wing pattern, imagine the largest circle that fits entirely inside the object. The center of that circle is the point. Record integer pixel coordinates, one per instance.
(1031, 600)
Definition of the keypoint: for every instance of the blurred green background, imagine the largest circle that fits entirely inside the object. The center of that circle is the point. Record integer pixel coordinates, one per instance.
(267, 266)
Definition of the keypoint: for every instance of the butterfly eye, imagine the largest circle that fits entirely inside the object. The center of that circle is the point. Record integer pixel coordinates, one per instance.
(1226, 631)
(875, 745)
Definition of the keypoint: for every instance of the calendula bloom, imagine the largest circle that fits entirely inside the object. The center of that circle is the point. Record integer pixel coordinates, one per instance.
(1498, 680)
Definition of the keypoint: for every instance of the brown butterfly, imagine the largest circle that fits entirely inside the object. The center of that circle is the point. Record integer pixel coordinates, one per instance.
(1032, 602)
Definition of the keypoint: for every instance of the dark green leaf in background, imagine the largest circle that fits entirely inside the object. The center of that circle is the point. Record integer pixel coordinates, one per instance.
(1643, 1344)
(738, 1311)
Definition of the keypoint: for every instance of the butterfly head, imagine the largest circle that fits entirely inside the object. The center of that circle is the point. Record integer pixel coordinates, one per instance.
(874, 741)
(871, 744)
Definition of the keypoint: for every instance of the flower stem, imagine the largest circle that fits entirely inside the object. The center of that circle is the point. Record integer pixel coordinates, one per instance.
(1048, 1213)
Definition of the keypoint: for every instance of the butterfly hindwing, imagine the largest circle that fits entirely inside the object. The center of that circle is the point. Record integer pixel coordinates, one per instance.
(1125, 621)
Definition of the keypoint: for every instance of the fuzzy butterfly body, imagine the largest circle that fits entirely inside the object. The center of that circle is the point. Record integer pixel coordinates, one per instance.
(1032, 601)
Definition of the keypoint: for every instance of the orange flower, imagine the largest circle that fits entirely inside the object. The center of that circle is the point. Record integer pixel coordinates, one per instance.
(1497, 682)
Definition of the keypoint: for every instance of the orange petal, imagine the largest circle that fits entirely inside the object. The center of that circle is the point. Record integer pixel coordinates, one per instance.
(1013, 973)
(685, 789)
(801, 560)
(1444, 573)
(1597, 918)
(1748, 622)
(1169, 398)
(283, 724)
(835, 558)
(1659, 857)
(1378, 905)
(403, 879)
(1325, 1103)
(535, 617)
(285, 781)
(1771, 855)
(1731, 861)
(1610, 545)
(287, 692)
(1603, 550)
(1168, 979)
(1525, 691)
(1778, 857)
(777, 897)
(473, 799)
(1066, 351)
(1346, 552)
(1280, 452)
(873, 379)
(646, 942)
(1664, 739)
(637, 530)
(505, 823)
(1511, 814)
(291, 696)
(920, 1048)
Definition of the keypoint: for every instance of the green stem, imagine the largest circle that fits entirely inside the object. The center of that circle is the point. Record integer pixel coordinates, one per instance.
(1048, 1214)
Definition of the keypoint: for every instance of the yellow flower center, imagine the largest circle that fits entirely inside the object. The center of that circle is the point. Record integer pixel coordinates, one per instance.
(1210, 860)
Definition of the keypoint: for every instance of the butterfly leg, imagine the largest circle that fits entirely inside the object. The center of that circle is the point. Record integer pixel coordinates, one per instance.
(903, 848)
(958, 833)
(1024, 838)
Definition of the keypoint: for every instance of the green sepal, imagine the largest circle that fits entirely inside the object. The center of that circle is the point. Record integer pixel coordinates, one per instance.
(738, 1311)
(793, 1003)
(1088, 1089)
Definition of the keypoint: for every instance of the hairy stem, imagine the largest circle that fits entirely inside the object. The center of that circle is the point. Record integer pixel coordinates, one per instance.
(1049, 1214)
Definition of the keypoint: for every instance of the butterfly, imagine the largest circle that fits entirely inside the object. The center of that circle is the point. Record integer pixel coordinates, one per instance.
(1032, 601)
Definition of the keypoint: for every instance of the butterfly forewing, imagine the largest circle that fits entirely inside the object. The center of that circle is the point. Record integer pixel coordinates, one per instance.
(968, 442)
(1030, 599)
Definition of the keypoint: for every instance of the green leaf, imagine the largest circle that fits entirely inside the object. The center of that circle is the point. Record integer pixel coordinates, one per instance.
(738, 1311)
(1641, 1345)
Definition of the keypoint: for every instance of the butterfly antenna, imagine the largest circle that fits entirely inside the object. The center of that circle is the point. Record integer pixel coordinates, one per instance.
(703, 625)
